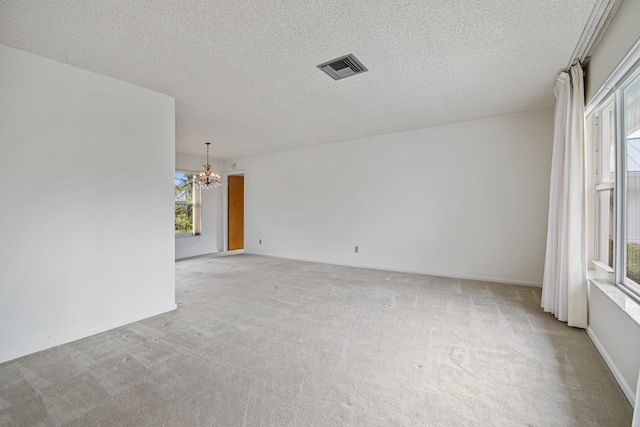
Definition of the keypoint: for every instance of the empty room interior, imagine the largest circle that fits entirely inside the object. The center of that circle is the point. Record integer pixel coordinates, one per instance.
(320, 213)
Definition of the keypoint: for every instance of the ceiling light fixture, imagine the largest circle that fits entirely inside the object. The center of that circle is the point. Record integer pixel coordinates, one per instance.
(208, 178)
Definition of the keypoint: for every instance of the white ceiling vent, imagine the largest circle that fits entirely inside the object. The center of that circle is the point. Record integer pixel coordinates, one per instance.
(342, 67)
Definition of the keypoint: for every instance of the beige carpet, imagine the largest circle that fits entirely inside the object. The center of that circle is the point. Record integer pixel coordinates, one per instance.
(260, 341)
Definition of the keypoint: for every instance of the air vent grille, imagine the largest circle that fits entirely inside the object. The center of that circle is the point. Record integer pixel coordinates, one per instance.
(342, 67)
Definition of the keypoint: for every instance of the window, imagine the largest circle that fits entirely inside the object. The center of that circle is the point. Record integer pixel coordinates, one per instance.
(631, 126)
(187, 205)
(605, 178)
(616, 135)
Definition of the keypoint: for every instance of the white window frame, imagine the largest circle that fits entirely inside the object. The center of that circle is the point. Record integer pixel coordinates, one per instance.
(616, 93)
(603, 186)
(196, 202)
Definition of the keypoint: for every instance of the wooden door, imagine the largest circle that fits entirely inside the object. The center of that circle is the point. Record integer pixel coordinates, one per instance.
(236, 212)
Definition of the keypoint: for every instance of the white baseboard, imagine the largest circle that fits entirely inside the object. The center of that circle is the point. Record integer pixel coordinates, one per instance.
(44, 345)
(626, 388)
(429, 273)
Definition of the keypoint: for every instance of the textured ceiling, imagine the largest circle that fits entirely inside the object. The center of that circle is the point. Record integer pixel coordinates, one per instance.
(244, 72)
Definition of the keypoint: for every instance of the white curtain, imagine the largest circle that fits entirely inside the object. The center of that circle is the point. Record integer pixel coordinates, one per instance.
(564, 286)
(197, 205)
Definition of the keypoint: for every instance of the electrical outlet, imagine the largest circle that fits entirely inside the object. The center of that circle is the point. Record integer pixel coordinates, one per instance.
(260, 241)
(356, 249)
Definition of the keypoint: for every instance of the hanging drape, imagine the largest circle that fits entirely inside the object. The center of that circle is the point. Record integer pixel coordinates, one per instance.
(197, 205)
(564, 285)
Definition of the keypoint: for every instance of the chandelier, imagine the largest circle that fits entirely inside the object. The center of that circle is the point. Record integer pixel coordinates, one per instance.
(208, 178)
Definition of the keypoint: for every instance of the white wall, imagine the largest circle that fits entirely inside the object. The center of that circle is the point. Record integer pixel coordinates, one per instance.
(464, 200)
(210, 238)
(615, 333)
(86, 225)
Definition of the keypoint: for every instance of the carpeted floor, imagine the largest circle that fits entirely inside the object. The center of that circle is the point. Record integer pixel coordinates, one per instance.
(261, 341)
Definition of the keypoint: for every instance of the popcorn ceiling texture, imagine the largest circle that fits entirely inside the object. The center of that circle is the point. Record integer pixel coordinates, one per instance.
(244, 72)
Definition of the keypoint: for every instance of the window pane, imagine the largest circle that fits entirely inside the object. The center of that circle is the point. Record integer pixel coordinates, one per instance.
(184, 187)
(604, 251)
(607, 164)
(184, 218)
(183, 192)
(632, 136)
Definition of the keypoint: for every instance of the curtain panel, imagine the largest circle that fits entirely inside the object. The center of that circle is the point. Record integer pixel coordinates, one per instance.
(564, 285)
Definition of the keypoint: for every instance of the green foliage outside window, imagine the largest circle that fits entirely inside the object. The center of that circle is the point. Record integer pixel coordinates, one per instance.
(184, 218)
(633, 262)
(183, 193)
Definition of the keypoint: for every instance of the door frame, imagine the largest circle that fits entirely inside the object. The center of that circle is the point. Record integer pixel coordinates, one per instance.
(225, 209)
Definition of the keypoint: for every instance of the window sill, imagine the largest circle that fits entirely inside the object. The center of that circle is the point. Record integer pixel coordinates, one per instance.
(186, 236)
(620, 298)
